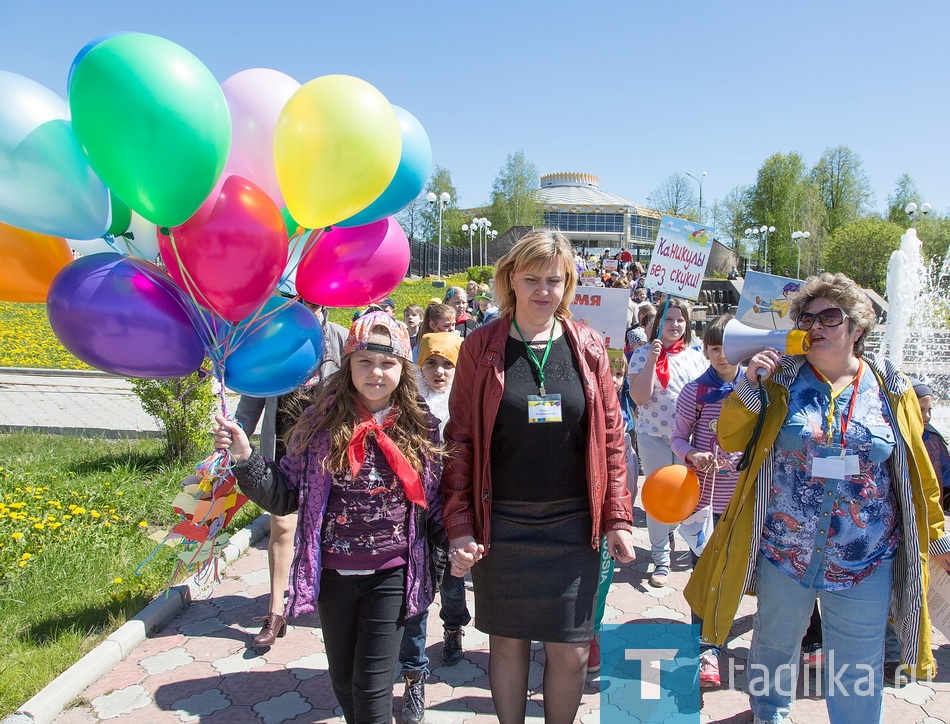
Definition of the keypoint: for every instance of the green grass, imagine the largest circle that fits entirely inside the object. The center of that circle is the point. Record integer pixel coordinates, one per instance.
(26, 339)
(75, 519)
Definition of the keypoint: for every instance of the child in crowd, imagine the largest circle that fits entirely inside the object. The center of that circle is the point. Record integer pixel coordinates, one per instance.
(457, 298)
(363, 464)
(438, 317)
(694, 440)
(936, 445)
(438, 353)
(412, 316)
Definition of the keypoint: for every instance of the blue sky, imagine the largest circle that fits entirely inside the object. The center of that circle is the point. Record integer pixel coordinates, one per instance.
(629, 91)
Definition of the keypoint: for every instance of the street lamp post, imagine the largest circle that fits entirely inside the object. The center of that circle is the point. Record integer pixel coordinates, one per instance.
(470, 230)
(798, 237)
(443, 200)
(483, 226)
(765, 231)
(700, 182)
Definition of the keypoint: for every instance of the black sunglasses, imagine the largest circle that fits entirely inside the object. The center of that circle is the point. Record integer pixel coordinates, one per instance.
(831, 317)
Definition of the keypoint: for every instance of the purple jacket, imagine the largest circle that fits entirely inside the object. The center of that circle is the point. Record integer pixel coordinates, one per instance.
(301, 483)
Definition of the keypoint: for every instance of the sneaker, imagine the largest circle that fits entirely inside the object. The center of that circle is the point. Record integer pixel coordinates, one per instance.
(452, 645)
(813, 657)
(414, 697)
(709, 670)
(659, 578)
(895, 675)
(593, 658)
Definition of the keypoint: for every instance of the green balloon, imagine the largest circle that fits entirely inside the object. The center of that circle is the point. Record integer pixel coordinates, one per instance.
(121, 216)
(154, 123)
(290, 223)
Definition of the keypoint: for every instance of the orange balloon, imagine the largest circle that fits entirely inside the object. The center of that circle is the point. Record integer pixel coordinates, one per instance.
(28, 263)
(670, 493)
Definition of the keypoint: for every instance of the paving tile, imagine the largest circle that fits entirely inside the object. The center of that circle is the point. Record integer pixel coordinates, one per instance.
(119, 702)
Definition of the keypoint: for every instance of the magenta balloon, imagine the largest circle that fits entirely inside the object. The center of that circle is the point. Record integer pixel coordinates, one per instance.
(356, 266)
(255, 99)
(124, 316)
(230, 255)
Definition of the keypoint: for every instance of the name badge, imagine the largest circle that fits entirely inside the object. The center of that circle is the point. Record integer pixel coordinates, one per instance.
(544, 409)
(834, 463)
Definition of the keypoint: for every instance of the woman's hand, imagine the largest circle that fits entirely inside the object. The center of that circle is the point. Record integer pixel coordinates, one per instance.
(228, 435)
(943, 560)
(762, 366)
(656, 346)
(464, 553)
(620, 545)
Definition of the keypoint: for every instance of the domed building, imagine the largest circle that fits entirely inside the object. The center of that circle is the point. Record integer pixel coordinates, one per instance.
(592, 218)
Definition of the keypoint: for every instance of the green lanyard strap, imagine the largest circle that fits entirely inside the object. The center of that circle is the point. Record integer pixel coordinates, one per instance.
(538, 364)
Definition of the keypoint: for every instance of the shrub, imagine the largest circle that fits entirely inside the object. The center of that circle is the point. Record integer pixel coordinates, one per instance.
(183, 407)
(481, 274)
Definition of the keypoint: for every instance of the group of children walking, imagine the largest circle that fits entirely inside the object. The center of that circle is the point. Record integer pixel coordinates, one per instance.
(362, 467)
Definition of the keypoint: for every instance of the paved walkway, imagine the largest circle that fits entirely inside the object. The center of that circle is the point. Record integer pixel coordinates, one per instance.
(198, 667)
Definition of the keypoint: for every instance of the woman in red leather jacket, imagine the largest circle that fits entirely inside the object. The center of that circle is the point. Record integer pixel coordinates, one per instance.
(536, 477)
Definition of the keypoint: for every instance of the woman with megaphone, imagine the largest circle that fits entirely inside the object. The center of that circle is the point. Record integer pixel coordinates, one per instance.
(658, 371)
(836, 504)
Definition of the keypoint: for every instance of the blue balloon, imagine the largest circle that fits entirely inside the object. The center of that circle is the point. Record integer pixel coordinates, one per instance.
(415, 165)
(125, 316)
(276, 355)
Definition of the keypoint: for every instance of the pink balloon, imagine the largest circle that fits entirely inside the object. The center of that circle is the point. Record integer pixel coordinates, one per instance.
(231, 253)
(356, 266)
(255, 99)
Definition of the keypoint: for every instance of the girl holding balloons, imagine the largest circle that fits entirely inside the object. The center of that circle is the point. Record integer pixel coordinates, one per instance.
(363, 465)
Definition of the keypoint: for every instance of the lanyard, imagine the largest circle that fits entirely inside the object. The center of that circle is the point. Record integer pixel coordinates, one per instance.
(835, 395)
(538, 364)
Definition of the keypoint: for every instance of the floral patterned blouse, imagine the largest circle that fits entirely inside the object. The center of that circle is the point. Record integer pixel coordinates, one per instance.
(830, 533)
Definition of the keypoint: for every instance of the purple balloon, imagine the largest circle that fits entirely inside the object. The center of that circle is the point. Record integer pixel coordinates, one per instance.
(124, 316)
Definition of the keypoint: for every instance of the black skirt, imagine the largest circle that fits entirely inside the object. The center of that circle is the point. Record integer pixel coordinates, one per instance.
(539, 579)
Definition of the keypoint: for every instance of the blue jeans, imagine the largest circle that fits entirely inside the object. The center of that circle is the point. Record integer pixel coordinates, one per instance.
(853, 623)
(655, 452)
(454, 614)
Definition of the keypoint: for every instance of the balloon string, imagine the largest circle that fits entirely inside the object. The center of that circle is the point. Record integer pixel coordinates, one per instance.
(306, 245)
(237, 337)
(190, 286)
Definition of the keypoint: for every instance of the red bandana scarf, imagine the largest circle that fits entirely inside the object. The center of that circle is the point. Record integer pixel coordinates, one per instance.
(663, 361)
(356, 452)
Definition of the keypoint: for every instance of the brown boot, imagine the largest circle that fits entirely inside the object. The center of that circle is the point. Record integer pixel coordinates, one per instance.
(275, 627)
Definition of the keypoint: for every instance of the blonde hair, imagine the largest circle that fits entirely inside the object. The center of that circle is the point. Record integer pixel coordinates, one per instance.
(675, 302)
(535, 249)
(843, 291)
(336, 408)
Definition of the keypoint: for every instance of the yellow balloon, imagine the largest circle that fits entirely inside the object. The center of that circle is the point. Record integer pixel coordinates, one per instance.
(337, 145)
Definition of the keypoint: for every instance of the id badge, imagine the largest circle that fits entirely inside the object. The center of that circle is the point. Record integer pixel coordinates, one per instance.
(833, 462)
(544, 409)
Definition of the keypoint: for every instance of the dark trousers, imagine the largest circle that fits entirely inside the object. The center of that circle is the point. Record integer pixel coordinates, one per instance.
(362, 629)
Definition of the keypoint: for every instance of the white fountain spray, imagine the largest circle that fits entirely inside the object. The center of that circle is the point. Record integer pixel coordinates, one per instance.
(906, 281)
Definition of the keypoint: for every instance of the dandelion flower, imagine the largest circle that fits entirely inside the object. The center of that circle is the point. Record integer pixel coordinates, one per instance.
(117, 580)
(16, 536)
(143, 524)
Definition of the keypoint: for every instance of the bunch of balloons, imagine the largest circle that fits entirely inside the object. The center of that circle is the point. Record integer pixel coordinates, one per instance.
(240, 189)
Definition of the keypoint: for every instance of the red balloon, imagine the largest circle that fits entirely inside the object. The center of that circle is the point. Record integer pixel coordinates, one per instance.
(229, 256)
(670, 494)
(356, 266)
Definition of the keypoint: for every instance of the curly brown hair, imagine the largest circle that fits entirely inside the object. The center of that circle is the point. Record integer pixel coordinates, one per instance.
(843, 291)
(334, 406)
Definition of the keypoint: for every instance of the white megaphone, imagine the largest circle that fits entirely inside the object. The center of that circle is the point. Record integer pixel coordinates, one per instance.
(740, 341)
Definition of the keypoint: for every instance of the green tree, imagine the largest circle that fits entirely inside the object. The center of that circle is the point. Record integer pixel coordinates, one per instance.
(843, 186)
(675, 197)
(776, 200)
(905, 191)
(862, 249)
(514, 199)
(732, 217)
(452, 218)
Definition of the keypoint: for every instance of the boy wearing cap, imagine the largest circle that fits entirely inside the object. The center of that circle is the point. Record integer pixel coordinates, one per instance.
(933, 440)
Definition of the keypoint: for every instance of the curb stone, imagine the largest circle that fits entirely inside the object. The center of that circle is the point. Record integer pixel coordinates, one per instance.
(49, 703)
